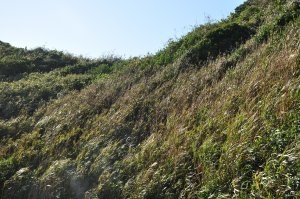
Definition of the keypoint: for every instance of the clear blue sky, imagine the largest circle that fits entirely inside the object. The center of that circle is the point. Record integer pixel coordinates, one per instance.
(94, 28)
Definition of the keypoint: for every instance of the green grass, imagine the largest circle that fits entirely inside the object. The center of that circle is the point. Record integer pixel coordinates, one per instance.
(215, 114)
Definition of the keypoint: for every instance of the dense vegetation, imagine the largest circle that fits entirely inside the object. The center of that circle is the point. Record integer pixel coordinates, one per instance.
(215, 114)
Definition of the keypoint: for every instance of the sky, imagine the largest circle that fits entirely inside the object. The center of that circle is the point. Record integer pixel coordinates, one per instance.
(96, 28)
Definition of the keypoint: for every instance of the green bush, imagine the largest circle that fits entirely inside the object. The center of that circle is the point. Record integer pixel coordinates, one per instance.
(220, 40)
(7, 169)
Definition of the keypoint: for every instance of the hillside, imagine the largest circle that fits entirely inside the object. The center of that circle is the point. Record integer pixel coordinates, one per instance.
(215, 114)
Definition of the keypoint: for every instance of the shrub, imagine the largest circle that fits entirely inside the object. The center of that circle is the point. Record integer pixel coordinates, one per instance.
(220, 40)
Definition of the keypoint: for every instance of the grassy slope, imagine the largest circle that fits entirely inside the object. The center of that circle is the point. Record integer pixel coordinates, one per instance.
(215, 114)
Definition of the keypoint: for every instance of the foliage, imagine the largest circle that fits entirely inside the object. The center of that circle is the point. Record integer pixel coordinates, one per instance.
(215, 114)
